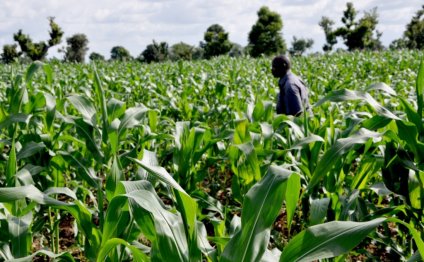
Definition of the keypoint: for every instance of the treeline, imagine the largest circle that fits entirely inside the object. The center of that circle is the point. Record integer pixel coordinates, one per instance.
(264, 38)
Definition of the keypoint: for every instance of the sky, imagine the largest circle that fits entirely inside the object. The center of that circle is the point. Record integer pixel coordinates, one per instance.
(134, 24)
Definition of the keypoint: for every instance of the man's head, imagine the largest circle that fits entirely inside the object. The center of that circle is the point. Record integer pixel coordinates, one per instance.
(280, 66)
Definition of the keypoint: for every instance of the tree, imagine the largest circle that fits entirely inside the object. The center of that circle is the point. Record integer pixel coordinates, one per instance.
(155, 52)
(413, 37)
(181, 51)
(299, 46)
(38, 51)
(236, 51)
(120, 53)
(77, 48)
(357, 35)
(96, 57)
(327, 25)
(10, 54)
(216, 41)
(265, 36)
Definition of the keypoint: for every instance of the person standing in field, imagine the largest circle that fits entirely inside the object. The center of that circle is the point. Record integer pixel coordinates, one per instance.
(293, 97)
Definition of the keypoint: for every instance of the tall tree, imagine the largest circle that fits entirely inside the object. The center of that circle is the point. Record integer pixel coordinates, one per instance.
(331, 38)
(216, 41)
(10, 54)
(120, 53)
(181, 51)
(38, 51)
(265, 36)
(155, 52)
(357, 35)
(299, 46)
(413, 37)
(96, 57)
(77, 48)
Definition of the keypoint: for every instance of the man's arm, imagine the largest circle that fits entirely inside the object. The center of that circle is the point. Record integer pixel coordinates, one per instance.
(292, 100)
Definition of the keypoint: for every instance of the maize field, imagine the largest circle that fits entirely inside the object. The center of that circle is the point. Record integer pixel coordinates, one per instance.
(188, 161)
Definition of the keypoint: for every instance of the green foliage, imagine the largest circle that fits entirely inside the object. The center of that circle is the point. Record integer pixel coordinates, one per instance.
(331, 38)
(357, 35)
(96, 57)
(413, 37)
(216, 41)
(299, 46)
(10, 54)
(181, 51)
(38, 51)
(155, 52)
(119, 53)
(76, 49)
(187, 161)
(265, 36)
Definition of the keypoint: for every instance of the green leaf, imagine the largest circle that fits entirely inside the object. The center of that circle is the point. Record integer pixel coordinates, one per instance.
(292, 197)
(350, 95)
(341, 147)
(258, 215)
(327, 240)
(131, 118)
(420, 88)
(318, 210)
(30, 149)
(21, 238)
(65, 256)
(113, 243)
(32, 69)
(11, 165)
(169, 227)
(85, 107)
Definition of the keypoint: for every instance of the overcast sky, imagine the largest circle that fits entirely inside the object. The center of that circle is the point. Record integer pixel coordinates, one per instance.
(135, 23)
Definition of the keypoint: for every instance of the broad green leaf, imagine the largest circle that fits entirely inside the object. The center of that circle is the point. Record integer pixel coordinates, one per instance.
(132, 118)
(420, 88)
(342, 146)
(115, 108)
(15, 118)
(160, 173)
(169, 227)
(382, 87)
(64, 256)
(21, 238)
(350, 95)
(327, 240)
(32, 69)
(100, 94)
(113, 243)
(251, 241)
(318, 212)
(85, 107)
(306, 141)
(113, 177)
(30, 149)
(11, 165)
(292, 197)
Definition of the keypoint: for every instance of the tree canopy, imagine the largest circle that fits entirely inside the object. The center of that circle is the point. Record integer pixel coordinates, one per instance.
(155, 52)
(120, 53)
(38, 51)
(77, 48)
(216, 41)
(265, 36)
(357, 35)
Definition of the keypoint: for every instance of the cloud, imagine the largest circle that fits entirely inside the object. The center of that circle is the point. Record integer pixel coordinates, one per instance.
(135, 23)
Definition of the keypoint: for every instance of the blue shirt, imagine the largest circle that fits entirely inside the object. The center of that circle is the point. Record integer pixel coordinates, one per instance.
(293, 97)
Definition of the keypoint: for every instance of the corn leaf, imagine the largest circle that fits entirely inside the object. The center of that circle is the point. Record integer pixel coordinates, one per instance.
(327, 240)
(258, 215)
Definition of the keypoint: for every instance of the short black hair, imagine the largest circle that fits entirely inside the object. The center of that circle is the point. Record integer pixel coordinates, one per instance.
(281, 61)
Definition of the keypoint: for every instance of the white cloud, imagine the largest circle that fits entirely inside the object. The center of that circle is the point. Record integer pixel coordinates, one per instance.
(135, 23)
